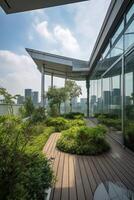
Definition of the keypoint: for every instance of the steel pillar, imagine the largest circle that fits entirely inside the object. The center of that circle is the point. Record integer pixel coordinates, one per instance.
(87, 86)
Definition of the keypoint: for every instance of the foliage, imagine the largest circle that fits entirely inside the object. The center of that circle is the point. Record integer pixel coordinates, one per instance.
(28, 108)
(38, 141)
(38, 115)
(24, 173)
(76, 122)
(73, 90)
(8, 99)
(83, 140)
(110, 122)
(59, 123)
(73, 115)
(129, 135)
(56, 96)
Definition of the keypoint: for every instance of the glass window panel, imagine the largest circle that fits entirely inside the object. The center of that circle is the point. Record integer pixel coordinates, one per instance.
(129, 101)
(118, 48)
(130, 13)
(112, 93)
(117, 33)
(106, 50)
(129, 35)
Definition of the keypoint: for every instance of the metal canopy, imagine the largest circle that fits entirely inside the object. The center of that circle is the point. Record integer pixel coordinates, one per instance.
(13, 6)
(60, 66)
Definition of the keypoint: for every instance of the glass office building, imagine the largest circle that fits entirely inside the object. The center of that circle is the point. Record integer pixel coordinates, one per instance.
(112, 79)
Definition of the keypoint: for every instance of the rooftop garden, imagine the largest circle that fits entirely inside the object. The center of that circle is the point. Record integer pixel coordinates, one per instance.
(25, 172)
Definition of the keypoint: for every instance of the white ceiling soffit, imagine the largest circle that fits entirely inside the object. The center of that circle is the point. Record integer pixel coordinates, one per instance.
(14, 6)
(59, 65)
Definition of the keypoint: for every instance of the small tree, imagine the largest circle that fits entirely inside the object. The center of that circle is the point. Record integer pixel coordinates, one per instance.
(56, 96)
(28, 108)
(8, 99)
(73, 90)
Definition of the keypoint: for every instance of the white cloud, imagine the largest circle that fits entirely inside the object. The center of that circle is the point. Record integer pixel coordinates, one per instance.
(18, 72)
(59, 38)
(42, 29)
(66, 39)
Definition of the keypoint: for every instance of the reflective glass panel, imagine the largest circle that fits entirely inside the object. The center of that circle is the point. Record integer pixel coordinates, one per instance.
(130, 13)
(129, 35)
(129, 101)
(117, 33)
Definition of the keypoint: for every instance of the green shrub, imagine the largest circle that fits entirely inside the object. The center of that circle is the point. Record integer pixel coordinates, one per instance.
(129, 135)
(36, 144)
(39, 115)
(24, 171)
(83, 140)
(73, 115)
(59, 123)
(110, 122)
(76, 122)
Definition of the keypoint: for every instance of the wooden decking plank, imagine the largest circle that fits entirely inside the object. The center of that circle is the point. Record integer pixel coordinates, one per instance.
(55, 169)
(123, 152)
(58, 185)
(79, 176)
(86, 184)
(124, 172)
(65, 182)
(89, 173)
(49, 143)
(123, 157)
(105, 169)
(99, 170)
(72, 182)
(94, 171)
(118, 173)
(79, 184)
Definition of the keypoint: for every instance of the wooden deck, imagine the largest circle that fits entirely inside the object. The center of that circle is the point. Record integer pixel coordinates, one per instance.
(79, 176)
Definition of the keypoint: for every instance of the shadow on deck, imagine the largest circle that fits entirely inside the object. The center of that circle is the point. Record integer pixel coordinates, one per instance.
(79, 177)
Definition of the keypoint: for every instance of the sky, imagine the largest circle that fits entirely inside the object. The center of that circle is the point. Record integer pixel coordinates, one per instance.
(69, 30)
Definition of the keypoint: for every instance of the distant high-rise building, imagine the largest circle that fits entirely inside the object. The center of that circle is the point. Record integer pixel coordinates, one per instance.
(20, 99)
(35, 97)
(116, 96)
(93, 99)
(106, 98)
(28, 93)
(74, 101)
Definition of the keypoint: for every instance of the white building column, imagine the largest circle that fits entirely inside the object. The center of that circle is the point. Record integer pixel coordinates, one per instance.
(52, 80)
(43, 86)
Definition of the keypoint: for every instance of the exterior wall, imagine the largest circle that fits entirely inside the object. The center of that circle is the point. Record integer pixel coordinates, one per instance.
(4, 109)
(112, 80)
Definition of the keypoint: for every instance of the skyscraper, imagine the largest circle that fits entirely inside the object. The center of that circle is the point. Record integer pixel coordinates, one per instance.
(28, 93)
(20, 99)
(35, 97)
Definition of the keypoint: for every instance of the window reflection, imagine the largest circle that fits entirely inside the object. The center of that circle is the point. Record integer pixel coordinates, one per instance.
(130, 13)
(129, 101)
(129, 36)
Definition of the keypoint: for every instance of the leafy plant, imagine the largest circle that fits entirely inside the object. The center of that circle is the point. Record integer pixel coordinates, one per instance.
(25, 172)
(28, 108)
(8, 99)
(84, 140)
(110, 122)
(129, 135)
(56, 96)
(73, 90)
(59, 123)
(73, 115)
(38, 115)
(76, 122)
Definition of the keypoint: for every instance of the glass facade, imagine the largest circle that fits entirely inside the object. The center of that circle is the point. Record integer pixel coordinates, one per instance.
(112, 82)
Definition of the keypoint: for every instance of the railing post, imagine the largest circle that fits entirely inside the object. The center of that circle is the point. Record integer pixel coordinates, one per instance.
(43, 86)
